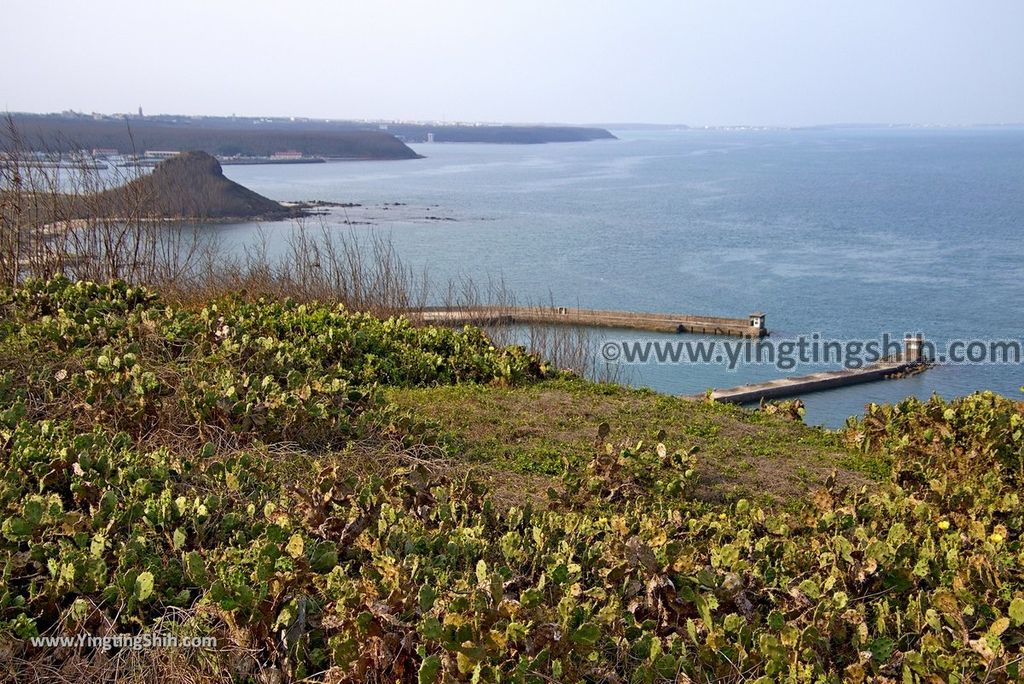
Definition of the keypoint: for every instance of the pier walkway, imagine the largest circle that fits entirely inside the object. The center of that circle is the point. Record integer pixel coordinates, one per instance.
(751, 326)
(909, 362)
(816, 382)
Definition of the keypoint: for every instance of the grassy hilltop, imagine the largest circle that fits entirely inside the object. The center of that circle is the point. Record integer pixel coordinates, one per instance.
(346, 499)
(189, 185)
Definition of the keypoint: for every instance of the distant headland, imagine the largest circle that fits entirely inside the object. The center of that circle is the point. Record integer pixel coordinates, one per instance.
(269, 139)
(501, 134)
(193, 185)
(226, 137)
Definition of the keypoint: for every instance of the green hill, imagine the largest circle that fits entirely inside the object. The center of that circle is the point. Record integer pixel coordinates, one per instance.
(190, 185)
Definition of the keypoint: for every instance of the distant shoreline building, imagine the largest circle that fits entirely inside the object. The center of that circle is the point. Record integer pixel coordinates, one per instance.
(286, 155)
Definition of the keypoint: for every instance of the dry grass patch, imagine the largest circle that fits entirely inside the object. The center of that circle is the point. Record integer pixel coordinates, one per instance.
(542, 429)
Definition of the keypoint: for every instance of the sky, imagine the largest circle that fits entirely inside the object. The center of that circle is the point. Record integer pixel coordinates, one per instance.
(713, 62)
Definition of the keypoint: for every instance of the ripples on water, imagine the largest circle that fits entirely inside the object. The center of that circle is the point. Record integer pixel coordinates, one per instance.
(848, 233)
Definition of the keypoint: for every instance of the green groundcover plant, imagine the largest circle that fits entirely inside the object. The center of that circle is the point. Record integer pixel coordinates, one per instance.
(190, 471)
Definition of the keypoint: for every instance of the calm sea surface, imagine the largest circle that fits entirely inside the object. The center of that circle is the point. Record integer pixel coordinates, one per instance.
(850, 234)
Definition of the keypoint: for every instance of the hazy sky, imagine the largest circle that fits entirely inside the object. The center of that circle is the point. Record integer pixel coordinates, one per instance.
(787, 62)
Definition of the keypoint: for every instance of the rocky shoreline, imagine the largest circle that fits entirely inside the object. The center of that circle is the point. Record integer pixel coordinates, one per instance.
(368, 214)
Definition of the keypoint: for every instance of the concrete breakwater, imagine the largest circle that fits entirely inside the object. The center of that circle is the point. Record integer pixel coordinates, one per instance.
(909, 362)
(751, 326)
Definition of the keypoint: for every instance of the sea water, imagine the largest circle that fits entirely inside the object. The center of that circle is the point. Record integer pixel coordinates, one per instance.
(844, 233)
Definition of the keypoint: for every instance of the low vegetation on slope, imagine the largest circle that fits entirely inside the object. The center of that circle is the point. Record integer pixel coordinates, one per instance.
(299, 482)
(539, 431)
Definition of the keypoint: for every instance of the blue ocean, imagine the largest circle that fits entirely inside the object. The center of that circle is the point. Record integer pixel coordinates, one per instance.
(847, 233)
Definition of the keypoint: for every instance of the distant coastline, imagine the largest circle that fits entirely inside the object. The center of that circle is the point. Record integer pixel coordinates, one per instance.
(498, 134)
(269, 140)
(250, 161)
(66, 133)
